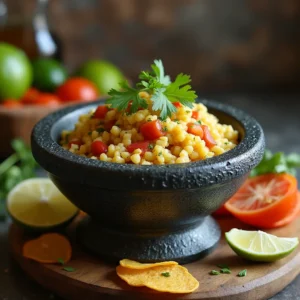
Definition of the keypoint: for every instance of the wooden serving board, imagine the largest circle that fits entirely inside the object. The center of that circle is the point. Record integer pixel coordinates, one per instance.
(95, 279)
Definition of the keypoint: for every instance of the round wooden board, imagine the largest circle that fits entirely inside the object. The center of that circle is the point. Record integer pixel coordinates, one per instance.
(95, 279)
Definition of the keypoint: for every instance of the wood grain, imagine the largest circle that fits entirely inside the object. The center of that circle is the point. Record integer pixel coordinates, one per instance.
(95, 279)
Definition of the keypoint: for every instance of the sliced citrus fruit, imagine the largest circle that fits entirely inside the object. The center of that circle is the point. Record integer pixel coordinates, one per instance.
(38, 204)
(264, 200)
(259, 245)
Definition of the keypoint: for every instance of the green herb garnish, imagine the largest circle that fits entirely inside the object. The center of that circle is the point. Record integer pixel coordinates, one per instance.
(163, 92)
(100, 129)
(199, 122)
(69, 269)
(225, 271)
(243, 273)
(151, 146)
(165, 128)
(277, 163)
(165, 274)
(214, 272)
(16, 168)
(61, 261)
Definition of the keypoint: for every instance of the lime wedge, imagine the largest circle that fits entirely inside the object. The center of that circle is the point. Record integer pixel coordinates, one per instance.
(38, 204)
(259, 245)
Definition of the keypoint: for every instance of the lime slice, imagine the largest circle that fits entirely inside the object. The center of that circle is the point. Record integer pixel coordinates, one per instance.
(38, 204)
(259, 245)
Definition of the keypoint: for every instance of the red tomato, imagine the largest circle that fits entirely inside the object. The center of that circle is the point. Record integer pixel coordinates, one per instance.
(101, 112)
(11, 103)
(75, 142)
(209, 140)
(108, 125)
(195, 129)
(98, 148)
(77, 89)
(196, 115)
(151, 130)
(177, 104)
(47, 99)
(30, 96)
(144, 146)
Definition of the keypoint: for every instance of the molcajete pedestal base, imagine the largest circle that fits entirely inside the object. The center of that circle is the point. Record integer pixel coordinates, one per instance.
(183, 246)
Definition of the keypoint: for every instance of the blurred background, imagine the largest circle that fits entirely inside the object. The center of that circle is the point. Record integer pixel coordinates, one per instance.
(232, 45)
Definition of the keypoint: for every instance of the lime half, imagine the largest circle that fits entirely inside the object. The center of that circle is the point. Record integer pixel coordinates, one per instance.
(259, 245)
(37, 204)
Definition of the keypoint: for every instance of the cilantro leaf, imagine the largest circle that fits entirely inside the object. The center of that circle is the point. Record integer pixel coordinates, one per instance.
(159, 71)
(121, 99)
(277, 163)
(162, 103)
(179, 91)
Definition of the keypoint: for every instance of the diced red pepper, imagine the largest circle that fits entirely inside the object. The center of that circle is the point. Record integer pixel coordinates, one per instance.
(144, 146)
(101, 112)
(209, 140)
(195, 129)
(151, 130)
(98, 148)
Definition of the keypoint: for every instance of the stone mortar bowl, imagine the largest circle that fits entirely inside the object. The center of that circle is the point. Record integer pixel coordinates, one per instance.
(148, 213)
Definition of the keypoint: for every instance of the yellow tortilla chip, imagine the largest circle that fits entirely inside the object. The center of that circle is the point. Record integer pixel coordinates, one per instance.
(131, 264)
(172, 279)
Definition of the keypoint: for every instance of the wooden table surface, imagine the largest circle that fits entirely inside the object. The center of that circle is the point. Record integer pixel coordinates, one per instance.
(280, 117)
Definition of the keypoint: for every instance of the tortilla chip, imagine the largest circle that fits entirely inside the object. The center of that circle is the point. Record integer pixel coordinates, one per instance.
(131, 264)
(172, 278)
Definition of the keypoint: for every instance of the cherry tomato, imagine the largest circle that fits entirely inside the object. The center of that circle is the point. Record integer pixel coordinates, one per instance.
(195, 129)
(11, 103)
(101, 112)
(196, 115)
(265, 201)
(77, 89)
(47, 99)
(209, 140)
(98, 148)
(177, 104)
(30, 96)
(151, 130)
(144, 146)
(75, 142)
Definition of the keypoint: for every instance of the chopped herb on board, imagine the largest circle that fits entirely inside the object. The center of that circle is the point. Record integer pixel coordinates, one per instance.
(243, 273)
(225, 271)
(61, 261)
(214, 272)
(223, 266)
(166, 274)
(69, 269)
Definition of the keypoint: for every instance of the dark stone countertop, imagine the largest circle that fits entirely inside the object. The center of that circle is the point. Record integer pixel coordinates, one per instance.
(279, 117)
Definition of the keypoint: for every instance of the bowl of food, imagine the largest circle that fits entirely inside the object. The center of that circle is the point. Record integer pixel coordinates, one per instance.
(147, 170)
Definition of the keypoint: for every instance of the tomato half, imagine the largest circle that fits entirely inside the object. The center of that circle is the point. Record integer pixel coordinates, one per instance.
(209, 140)
(98, 148)
(195, 129)
(151, 130)
(144, 146)
(11, 103)
(77, 89)
(263, 201)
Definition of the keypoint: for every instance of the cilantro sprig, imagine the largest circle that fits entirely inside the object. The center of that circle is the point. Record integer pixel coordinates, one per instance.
(277, 163)
(162, 90)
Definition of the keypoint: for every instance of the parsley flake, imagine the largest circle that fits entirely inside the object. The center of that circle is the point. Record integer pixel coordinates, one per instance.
(165, 274)
(199, 122)
(151, 146)
(100, 129)
(225, 271)
(222, 266)
(243, 273)
(214, 272)
(69, 269)
(61, 261)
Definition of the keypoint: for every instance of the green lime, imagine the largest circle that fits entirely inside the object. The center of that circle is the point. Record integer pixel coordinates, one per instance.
(36, 204)
(15, 72)
(103, 74)
(48, 74)
(259, 245)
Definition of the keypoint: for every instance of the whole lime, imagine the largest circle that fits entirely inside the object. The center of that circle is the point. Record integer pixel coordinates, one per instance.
(15, 72)
(103, 74)
(48, 74)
